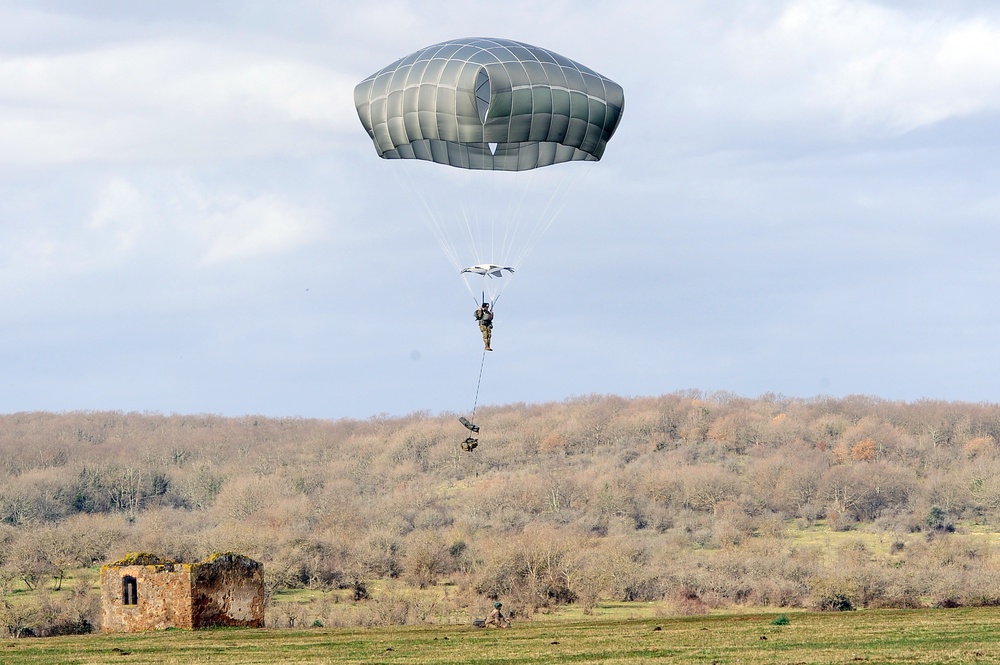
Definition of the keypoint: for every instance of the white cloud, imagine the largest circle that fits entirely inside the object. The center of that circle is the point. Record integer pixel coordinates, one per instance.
(246, 229)
(869, 67)
(163, 99)
(159, 222)
(49, 241)
(120, 215)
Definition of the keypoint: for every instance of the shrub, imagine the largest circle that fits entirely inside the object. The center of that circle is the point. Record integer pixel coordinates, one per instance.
(835, 603)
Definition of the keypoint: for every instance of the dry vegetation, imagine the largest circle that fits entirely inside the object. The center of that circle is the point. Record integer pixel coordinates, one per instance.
(695, 501)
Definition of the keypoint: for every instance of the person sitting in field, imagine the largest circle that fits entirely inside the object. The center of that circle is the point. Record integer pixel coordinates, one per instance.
(496, 619)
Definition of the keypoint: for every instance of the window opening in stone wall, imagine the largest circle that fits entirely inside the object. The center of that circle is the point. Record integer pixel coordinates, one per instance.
(130, 591)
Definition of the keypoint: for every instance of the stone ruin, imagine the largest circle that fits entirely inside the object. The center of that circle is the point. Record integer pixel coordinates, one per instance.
(147, 592)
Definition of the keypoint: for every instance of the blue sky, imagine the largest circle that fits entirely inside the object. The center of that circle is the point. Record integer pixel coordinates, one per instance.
(802, 198)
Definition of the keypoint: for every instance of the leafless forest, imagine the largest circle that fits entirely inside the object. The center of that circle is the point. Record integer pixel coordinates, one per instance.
(694, 501)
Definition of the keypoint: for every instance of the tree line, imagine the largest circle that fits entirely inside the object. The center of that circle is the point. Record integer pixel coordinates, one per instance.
(694, 500)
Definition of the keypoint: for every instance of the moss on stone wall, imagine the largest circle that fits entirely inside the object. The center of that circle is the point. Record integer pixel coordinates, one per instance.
(233, 561)
(142, 559)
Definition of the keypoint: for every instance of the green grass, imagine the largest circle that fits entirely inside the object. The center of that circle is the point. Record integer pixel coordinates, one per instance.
(889, 636)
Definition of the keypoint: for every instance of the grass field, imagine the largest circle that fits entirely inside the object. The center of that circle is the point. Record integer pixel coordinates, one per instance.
(885, 636)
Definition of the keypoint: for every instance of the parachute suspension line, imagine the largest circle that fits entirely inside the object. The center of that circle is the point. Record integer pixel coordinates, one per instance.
(481, 222)
(471, 210)
(475, 403)
(491, 217)
(534, 227)
(557, 201)
(482, 192)
(429, 214)
(489, 200)
(469, 199)
(515, 218)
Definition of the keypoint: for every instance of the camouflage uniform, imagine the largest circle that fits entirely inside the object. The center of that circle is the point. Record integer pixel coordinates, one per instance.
(485, 318)
(496, 618)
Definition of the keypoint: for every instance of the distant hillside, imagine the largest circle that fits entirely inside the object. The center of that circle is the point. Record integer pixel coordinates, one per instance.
(693, 500)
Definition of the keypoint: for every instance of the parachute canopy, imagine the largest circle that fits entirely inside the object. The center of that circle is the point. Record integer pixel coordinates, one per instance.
(489, 104)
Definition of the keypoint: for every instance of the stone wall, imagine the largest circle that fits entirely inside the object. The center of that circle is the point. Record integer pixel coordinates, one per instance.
(163, 595)
(228, 590)
(223, 590)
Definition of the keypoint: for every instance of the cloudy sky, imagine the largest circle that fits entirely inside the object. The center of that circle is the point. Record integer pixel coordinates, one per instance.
(802, 198)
